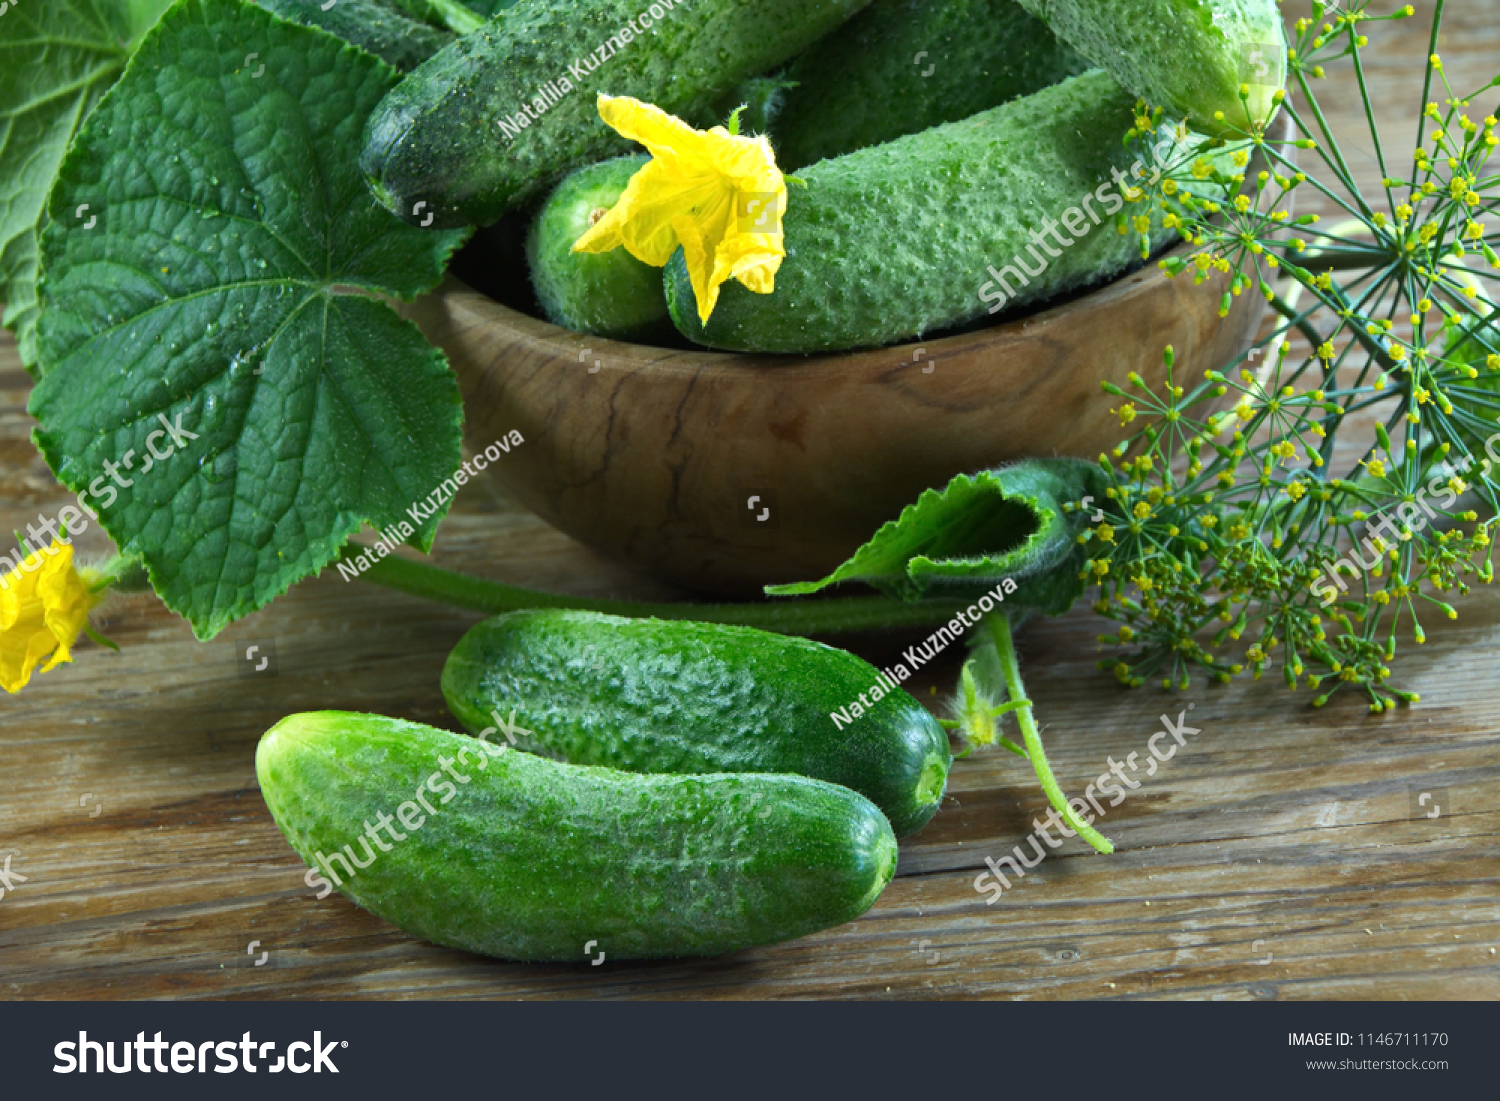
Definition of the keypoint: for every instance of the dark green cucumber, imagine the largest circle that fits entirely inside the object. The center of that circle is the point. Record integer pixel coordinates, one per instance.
(759, 100)
(610, 294)
(456, 135)
(901, 66)
(509, 854)
(1190, 57)
(646, 695)
(905, 238)
(485, 8)
(383, 27)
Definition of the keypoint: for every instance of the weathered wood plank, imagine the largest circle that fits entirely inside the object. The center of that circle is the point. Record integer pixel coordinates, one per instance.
(1278, 855)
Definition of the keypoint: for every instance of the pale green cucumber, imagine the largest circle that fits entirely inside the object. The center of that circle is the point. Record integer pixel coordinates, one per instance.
(921, 233)
(513, 855)
(1189, 57)
(610, 294)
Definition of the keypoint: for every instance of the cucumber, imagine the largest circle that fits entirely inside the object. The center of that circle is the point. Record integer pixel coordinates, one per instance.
(901, 66)
(458, 18)
(1189, 57)
(646, 695)
(900, 239)
(486, 8)
(610, 294)
(496, 116)
(383, 27)
(759, 100)
(509, 854)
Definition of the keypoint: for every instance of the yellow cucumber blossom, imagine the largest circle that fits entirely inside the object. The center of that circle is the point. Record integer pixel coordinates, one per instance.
(44, 607)
(718, 195)
(976, 715)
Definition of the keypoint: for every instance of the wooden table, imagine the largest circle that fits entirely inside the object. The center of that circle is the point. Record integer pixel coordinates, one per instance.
(1280, 855)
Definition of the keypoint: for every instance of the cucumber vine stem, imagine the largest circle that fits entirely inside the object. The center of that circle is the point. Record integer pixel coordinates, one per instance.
(791, 617)
(1004, 648)
(801, 617)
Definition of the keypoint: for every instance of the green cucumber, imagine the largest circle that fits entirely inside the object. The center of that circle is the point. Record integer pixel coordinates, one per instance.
(610, 294)
(487, 8)
(496, 116)
(759, 100)
(383, 27)
(905, 238)
(901, 66)
(646, 695)
(458, 18)
(509, 854)
(1189, 57)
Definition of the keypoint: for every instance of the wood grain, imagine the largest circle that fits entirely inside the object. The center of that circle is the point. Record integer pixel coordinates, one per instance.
(1279, 855)
(650, 455)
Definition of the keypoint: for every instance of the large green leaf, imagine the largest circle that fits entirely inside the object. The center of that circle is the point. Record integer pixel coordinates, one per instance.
(963, 540)
(57, 57)
(228, 284)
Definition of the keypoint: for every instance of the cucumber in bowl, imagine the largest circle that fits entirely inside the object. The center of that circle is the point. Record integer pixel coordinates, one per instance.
(922, 233)
(495, 117)
(609, 294)
(902, 66)
(383, 27)
(1194, 58)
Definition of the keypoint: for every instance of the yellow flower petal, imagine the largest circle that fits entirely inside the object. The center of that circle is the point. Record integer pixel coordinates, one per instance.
(719, 196)
(696, 254)
(746, 258)
(44, 607)
(760, 278)
(641, 220)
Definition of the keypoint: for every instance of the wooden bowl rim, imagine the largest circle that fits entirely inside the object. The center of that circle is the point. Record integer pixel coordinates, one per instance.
(568, 344)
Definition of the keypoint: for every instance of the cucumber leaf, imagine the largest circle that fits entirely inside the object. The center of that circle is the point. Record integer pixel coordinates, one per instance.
(961, 541)
(57, 58)
(229, 286)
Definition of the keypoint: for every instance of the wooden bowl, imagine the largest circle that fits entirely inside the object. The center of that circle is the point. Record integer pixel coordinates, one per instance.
(669, 460)
(727, 472)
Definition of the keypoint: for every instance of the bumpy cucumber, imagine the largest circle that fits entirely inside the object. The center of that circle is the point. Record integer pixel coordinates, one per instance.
(901, 66)
(456, 133)
(383, 27)
(487, 8)
(1187, 56)
(899, 239)
(646, 695)
(609, 294)
(509, 854)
